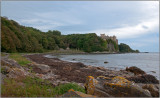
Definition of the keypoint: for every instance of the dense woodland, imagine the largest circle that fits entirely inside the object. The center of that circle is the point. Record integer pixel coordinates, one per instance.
(18, 38)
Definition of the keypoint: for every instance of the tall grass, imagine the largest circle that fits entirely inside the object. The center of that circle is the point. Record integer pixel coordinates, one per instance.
(35, 87)
(19, 58)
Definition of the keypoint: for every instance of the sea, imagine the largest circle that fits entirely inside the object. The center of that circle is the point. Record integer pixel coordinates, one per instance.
(149, 62)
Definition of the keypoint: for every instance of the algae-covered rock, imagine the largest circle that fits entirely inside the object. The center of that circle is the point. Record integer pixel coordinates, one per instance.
(114, 87)
(121, 87)
(90, 85)
(135, 70)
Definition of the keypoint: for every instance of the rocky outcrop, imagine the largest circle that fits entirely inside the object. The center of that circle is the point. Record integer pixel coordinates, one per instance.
(40, 68)
(5, 70)
(90, 85)
(153, 90)
(135, 70)
(114, 87)
(146, 78)
(17, 72)
(72, 93)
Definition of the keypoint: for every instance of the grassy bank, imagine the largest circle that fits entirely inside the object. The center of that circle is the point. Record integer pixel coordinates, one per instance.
(32, 87)
(35, 87)
(19, 58)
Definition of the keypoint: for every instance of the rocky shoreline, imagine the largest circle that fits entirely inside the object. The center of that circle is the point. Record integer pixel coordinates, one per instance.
(61, 72)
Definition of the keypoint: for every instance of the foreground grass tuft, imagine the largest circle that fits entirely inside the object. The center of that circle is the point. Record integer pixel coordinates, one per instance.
(61, 89)
(35, 87)
(19, 58)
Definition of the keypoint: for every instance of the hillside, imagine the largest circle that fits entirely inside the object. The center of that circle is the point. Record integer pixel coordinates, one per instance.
(18, 38)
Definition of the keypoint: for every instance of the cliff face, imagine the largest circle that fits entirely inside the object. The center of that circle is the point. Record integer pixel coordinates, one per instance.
(112, 46)
(112, 43)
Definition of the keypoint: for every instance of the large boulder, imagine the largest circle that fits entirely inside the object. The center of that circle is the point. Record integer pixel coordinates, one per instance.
(114, 87)
(135, 70)
(72, 93)
(121, 87)
(146, 78)
(17, 72)
(153, 90)
(40, 68)
(90, 85)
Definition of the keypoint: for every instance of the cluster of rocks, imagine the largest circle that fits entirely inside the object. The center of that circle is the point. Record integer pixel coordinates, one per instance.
(98, 81)
(118, 87)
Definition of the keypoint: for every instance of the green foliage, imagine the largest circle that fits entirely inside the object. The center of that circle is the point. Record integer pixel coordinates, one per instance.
(17, 38)
(115, 46)
(86, 42)
(125, 48)
(34, 87)
(61, 89)
(19, 58)
(54, 32)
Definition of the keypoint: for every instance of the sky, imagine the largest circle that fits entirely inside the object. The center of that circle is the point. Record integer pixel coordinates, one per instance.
(135, 23)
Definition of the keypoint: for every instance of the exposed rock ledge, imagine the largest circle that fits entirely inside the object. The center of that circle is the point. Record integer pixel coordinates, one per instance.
(106, 82)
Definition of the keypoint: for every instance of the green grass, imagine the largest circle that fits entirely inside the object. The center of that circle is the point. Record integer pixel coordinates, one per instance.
(34, 87)
(61, 89)
(19, 58)
(2, 54)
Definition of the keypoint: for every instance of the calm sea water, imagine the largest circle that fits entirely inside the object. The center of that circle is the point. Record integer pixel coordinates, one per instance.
(149, 62)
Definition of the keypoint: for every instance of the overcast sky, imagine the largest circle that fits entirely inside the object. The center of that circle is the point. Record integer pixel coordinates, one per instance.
(135, 23)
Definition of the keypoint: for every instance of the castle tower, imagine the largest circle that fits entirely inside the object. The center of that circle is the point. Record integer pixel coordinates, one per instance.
(103, 36)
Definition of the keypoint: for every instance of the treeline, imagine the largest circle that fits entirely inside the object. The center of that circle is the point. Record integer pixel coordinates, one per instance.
(17, 38)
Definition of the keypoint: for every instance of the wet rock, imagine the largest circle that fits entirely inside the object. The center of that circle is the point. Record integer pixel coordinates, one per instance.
(146, 78)
(135, 70)
(101, 68)
(153, 90)
(72, 93)
(80, 65)
(105, 62)
(153, 71)
(114, 87)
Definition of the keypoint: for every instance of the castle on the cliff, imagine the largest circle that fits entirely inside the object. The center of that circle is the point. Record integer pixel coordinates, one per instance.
(103, 36)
